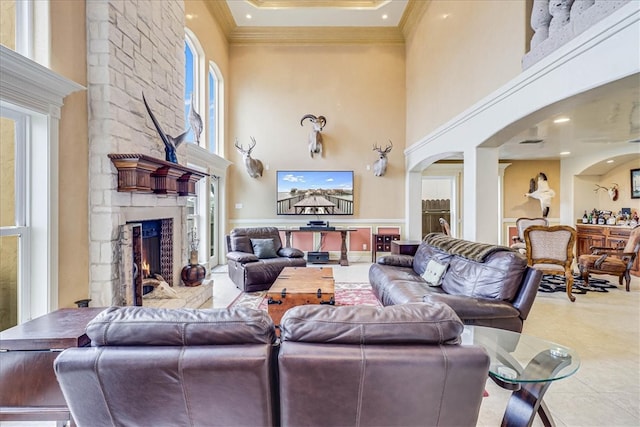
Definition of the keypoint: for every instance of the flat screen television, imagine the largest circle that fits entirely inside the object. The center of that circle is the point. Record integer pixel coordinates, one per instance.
(314, 192)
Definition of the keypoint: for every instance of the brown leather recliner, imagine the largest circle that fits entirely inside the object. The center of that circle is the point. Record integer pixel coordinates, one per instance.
(255, 257)
(365, 366)
(172, 367)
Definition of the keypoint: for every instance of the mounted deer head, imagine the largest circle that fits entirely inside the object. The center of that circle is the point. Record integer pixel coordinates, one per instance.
(612, 191)
(254, 166)
(315, 137)
(380, 165)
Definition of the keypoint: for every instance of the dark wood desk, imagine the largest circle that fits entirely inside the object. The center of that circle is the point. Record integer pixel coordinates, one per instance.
(29, 390)
(344, 260)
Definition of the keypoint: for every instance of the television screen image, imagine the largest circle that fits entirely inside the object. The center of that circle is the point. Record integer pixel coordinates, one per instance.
(315, 192)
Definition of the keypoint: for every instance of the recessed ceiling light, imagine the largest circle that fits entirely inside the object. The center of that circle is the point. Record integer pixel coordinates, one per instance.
(385, 16)
(565, 153)
(610, 161)
(191, 16)
(562, 120)
(248, 16)
(444, 16)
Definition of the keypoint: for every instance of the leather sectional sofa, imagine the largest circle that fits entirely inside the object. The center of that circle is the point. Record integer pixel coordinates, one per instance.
(486, 285)
(253, 267)
(351, 365)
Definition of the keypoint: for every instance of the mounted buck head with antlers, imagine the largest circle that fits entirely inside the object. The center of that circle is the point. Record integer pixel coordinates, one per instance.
(612, 191)
(380, 165)
(254, 166)
(315, 137)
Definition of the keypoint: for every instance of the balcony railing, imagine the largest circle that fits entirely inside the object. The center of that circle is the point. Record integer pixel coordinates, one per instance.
(555, 22)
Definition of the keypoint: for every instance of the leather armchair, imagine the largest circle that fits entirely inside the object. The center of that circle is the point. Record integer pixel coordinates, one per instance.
(253, 269)
(172, 367)
(363, 366)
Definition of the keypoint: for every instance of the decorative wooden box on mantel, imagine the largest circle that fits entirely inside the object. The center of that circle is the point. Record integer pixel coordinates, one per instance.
(145, 174)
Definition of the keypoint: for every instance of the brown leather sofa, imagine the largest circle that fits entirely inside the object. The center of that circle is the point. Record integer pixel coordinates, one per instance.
(399, 365)
(172, 367)
(254, 268)
(486, 285)
(365, 366)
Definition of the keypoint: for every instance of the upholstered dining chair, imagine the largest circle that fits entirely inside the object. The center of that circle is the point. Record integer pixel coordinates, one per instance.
(550, 250)
(617, 262)
(521, 225)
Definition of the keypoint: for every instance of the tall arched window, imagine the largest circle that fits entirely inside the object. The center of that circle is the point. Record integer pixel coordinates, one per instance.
(193, 83)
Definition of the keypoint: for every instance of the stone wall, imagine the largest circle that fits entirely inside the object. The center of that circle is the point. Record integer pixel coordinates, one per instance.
(555, 22)
(133, 46)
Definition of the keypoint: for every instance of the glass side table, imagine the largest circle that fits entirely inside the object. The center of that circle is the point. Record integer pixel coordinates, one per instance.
(526, 365)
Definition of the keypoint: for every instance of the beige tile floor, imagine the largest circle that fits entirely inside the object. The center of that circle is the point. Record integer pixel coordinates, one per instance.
(604, 328)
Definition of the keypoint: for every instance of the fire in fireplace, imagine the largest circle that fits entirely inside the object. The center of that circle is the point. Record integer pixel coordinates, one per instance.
(149, 247)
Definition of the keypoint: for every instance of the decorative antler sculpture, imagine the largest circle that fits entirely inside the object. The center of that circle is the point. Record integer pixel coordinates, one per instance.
(254, 166)
(315, 137)
(542, 192)
(170, 143)
(380, 165)
(612, 191)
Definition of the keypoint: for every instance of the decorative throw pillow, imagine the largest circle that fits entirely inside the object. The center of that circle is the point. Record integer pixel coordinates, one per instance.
(264, 248)
(434, 272)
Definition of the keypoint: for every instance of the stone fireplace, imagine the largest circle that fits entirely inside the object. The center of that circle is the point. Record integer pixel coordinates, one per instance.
(149, 62)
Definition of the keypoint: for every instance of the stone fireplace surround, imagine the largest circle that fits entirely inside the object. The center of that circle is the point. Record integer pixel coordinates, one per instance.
(132, 48)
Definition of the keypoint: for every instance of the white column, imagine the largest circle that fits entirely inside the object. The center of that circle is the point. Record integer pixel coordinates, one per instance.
(413, 205)
(480, 219)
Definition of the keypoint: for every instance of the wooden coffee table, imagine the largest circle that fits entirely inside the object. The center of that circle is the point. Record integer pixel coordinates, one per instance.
(300, 286)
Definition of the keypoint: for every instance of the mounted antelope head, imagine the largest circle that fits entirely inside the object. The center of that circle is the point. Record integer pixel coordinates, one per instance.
(315, 137)
(254, 166)
(613, 191)
(380, 165)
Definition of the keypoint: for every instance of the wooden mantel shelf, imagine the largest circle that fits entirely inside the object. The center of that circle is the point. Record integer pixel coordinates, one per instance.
(145, 174)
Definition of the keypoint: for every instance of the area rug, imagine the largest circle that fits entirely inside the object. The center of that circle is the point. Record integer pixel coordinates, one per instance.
(346, 293)
(556, 283)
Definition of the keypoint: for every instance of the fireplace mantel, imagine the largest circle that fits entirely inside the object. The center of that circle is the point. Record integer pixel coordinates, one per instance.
(145, 174)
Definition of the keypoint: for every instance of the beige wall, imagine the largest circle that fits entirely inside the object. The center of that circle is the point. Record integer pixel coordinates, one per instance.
(361, 92)
(68, 58)
(621, 175)
(516, 184)
(454, 62)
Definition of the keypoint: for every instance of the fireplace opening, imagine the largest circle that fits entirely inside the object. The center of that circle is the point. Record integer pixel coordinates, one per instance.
(150, 252)
(147, 248)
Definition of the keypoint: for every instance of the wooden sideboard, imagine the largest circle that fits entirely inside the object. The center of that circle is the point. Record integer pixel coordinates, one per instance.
(610, 236)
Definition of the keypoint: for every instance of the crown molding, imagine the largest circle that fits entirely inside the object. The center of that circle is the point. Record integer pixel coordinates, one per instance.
(316, 35)
(221, 13)
(237, 35)
(344, 4)
(412, 15)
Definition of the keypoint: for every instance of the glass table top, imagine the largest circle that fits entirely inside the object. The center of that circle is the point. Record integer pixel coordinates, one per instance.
(521, 358)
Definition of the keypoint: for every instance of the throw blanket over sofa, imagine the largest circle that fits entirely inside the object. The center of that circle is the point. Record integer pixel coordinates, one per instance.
(486, 285)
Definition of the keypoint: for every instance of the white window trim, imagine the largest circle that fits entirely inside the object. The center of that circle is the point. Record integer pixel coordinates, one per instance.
(219, 119)
(40, 92)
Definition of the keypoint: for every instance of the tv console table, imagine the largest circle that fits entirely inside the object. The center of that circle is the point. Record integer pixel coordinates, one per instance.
(344, 261)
